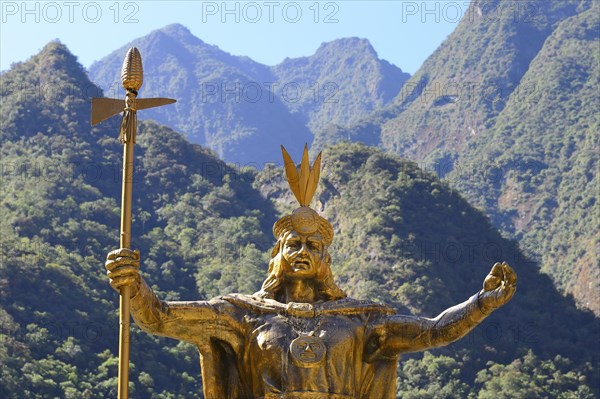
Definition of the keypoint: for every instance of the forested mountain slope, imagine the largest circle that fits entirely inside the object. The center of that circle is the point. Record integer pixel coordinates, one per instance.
(545, 147)
(203, 228)
(460, 89)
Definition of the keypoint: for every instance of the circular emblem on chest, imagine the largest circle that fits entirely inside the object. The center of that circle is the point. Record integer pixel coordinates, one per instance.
(307, 351)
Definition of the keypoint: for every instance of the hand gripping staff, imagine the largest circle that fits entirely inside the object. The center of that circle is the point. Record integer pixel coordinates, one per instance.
(132, 76)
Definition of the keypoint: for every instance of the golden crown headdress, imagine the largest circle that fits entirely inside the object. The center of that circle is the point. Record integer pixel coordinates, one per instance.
(303, 182)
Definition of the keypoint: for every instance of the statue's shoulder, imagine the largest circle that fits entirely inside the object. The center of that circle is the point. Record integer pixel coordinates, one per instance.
(254, 303)
(353, 306)
(346, 306)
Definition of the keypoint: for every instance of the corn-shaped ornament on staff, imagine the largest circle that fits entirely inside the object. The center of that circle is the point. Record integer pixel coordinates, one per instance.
(132, 77)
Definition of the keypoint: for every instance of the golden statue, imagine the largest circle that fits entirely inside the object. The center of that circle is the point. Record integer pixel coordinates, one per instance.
(300, 337)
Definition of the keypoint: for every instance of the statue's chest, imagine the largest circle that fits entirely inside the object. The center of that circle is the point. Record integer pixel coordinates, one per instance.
(292, 352)
(274, 332)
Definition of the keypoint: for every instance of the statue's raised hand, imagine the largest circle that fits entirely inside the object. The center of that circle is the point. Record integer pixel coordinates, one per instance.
(498, 287)
(123, 269)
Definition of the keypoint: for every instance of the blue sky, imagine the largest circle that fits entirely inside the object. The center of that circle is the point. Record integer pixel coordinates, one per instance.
(402, 32)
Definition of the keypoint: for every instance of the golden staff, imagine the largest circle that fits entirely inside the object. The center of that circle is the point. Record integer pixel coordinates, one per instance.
(132, 77)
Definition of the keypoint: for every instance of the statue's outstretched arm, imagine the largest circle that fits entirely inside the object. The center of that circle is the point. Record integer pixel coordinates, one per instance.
(411, 334)
(194, 322)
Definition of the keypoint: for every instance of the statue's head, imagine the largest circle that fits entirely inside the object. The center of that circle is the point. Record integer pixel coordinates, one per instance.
(303, 239)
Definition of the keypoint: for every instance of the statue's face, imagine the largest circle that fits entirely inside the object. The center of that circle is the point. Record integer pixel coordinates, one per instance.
(303, 254)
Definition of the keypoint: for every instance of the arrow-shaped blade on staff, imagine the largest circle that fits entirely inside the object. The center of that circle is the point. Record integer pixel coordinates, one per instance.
(104, 108)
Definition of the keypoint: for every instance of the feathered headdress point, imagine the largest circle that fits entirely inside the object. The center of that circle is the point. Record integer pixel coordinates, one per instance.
(303, 182)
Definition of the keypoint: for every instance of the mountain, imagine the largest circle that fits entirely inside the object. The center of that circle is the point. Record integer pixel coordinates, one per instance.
(203, 228)
(221, 99)
(465, 83)
(231, 103)
(460, 89)
(347, 81)
(548, 193)
(506, 109)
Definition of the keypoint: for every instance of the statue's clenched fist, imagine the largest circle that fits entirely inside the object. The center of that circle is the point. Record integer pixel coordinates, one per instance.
(499, 286)
(123, 269)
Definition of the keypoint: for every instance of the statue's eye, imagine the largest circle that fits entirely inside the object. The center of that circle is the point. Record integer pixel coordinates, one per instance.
(314, 246)
(293, 245)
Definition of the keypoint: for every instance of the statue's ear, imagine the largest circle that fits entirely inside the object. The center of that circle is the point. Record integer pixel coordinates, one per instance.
(326, 257)
(276, 249)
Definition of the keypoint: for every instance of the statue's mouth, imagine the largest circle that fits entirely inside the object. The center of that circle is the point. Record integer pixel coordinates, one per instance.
(302, 264)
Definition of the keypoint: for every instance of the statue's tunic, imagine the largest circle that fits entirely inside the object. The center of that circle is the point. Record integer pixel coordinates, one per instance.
(254, 348)
(315, 351)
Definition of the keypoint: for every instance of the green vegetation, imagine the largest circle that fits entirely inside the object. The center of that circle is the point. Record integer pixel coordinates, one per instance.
(506, 109)
(203, 228)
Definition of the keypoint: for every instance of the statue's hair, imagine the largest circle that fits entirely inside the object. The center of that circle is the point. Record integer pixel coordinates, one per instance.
(325, 287)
